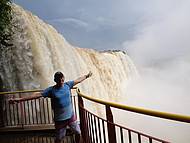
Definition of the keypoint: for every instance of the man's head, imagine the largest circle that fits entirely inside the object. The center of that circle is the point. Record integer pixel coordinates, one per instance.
(59, 77)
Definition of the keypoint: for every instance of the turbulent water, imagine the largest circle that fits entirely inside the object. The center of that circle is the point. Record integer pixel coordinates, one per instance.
(39, 51)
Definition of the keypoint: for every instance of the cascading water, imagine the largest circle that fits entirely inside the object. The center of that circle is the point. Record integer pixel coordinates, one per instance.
(39, 51)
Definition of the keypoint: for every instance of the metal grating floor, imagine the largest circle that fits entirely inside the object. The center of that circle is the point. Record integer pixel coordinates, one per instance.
(34, 137)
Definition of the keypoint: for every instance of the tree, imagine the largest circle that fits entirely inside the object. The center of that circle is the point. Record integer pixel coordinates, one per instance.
(5, 23)
(5, 37)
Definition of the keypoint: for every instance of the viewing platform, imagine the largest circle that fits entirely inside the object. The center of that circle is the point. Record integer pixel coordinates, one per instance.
(32, 121)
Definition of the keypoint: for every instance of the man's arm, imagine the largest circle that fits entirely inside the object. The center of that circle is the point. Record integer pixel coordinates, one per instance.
(82, 78)
(33, 96)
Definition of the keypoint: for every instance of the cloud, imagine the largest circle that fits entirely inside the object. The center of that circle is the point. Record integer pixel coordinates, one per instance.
(121, 19)
(73, 21)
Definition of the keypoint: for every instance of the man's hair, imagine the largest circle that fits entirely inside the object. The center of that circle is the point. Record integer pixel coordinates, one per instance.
(57, 76)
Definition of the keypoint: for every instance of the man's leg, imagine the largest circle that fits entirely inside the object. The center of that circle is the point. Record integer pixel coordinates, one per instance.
(60, 134)
(76, 128)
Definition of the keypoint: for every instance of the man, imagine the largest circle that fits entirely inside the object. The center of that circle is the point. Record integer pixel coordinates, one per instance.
(60, 95)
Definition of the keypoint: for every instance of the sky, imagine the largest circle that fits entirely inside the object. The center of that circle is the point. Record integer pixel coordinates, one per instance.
(99, 24)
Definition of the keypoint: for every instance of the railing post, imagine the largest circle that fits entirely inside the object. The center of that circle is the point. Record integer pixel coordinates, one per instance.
(2, 104)
(83, 124)
(111, 127)
(22, 112)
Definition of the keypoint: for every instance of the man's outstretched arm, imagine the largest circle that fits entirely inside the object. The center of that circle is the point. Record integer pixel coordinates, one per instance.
(82, 78)
(33, 96)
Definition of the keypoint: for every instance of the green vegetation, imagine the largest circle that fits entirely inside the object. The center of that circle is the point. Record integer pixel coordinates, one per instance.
(5, 23)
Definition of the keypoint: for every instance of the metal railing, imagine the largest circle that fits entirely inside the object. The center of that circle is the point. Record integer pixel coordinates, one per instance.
(36, 112)
(99, 130)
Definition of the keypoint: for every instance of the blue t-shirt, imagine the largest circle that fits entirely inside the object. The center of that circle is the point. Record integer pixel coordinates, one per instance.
(61, 100)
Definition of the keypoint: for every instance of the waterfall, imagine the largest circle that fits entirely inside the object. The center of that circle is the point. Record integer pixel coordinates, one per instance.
(39, 51)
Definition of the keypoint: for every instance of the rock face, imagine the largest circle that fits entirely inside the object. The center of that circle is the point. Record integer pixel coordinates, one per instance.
(39, 51)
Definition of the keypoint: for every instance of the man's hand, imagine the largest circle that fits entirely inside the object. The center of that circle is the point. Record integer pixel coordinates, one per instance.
(89, 74)
(82, 78)
(15, 100)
